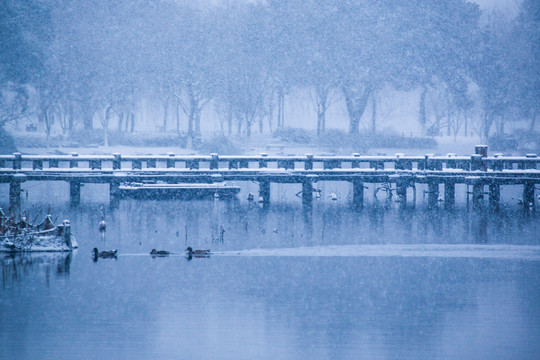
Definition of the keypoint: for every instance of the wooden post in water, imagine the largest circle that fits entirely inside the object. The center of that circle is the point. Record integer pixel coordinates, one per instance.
(433, 193)
(307, 192)
(114, 190)
(75, 192)
(478, 195)
(449, 194)
(264, 191)
(494, 195)
(528, 194)
(15, 191)
(401, 191)
(358, 193)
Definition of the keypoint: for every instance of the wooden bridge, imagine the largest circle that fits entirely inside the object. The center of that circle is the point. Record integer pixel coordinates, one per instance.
(477, 170)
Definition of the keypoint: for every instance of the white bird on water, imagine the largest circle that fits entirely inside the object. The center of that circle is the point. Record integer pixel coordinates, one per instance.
(102, 224)
(333, 196)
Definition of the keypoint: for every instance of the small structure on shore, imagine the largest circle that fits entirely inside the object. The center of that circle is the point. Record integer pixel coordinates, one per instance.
(21, 236)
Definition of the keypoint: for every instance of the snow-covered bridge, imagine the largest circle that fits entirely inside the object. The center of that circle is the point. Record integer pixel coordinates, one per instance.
(478, 170)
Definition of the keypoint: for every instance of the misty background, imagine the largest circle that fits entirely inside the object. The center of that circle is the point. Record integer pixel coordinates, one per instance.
(178, 72)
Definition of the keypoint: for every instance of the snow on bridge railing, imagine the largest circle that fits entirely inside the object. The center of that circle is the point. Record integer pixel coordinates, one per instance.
(116, 161)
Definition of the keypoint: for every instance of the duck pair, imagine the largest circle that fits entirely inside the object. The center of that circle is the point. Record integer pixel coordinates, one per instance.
(189, 252)
(107, 254)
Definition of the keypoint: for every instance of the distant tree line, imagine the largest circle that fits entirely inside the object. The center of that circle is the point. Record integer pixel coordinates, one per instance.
(72, 61)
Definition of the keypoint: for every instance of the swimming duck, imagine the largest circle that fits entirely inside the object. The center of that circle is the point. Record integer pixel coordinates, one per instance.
(250, 197)
(108, 254)
(159, 252)
(190, 252)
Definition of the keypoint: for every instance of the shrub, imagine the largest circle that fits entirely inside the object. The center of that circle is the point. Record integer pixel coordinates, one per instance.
(219, 144)
(294, 135)
(505, 142)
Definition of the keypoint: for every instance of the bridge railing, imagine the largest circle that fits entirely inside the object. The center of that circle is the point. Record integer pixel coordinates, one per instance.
(214, 161)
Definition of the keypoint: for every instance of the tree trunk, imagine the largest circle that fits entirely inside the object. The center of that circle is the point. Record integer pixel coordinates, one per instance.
(121, 120)
(487, 121)
(281, 105)
(533, 121)
(449, 118)
(229, 123)
(177, 118)
(356, 98)
(465, 122)
(165, 113)
(71, 114)
(373, 114)
(422, 119)
(132, 121)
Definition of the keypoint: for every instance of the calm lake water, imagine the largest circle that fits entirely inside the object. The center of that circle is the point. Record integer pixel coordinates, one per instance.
(284, 283)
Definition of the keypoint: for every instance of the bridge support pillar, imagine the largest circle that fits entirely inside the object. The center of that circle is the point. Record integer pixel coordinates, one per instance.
(307, 192)
(528, 194)
(478, 195)
(264, 192)
(358, 193)
(401, 191)
(449, 194)
(433, 193)
(494, 196)
(15, 192)
(75, 192)
(114, 189)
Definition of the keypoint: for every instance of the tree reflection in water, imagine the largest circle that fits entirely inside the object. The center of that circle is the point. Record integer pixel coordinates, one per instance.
(17, 266)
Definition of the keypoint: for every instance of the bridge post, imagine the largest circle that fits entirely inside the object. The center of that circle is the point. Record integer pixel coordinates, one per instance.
(358, 193)
(75, 192)
(478, 195)
(307, 192)
(355, 163)
(117, 162)
(37, 165)
(263, 163)
(433, 193)
(481, 150)
(74, 163)
(528, 194)
(214, 163)
(494, 195)
(477, 163)
(15, 191)
(170, 161)
(264, 191)
(308, 164)
(17, 161)
(531, 164)
(449, 194)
